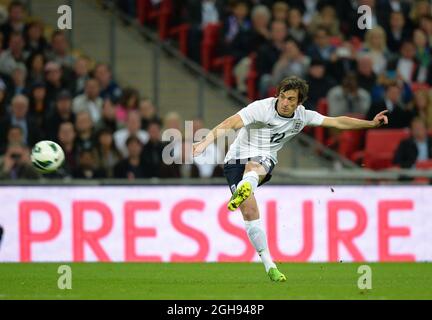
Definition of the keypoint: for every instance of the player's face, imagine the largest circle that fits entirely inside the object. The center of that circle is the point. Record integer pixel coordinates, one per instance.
(287, 102)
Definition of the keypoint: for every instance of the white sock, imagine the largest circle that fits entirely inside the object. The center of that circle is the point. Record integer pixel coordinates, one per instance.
(258, 239)
(251, 177)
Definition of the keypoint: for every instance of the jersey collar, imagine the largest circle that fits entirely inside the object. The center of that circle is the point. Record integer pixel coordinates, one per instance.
(284, 117)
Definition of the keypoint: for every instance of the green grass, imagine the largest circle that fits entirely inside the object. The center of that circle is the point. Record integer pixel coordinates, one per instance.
(214, 281)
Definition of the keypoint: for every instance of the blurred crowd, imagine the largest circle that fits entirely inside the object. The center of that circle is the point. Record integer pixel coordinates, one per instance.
(47, 91)
(357, 72)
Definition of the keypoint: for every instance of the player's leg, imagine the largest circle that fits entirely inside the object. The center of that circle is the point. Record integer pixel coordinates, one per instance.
(254, 173)
(258, 238)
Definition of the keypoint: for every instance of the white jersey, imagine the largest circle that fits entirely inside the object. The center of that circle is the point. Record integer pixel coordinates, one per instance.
(265, 131)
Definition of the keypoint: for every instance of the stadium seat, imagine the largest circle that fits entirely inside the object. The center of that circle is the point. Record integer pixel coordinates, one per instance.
(381, 145)
(423, 165)
(209, 44)
(181, 32)
(160, 15)
(209, 60)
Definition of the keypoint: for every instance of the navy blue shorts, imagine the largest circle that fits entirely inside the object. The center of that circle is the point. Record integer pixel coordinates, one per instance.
(234, 170)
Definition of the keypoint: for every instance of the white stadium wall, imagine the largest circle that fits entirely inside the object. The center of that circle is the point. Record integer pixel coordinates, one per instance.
(191, 223)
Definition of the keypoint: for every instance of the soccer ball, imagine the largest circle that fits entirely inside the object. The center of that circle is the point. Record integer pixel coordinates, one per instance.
(47, 156)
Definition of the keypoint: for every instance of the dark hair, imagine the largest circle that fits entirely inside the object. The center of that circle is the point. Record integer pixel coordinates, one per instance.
(294, 83)
(14, 4)
(128, 93)
(133, 138)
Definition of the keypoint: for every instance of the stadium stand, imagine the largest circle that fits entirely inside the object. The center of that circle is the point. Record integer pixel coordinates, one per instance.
(62, 84)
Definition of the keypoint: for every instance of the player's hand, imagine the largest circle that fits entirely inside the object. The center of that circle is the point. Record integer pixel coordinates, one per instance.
(380, 119)
(198, 148)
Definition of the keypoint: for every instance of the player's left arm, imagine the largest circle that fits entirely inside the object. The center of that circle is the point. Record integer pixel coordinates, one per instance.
(348, 123)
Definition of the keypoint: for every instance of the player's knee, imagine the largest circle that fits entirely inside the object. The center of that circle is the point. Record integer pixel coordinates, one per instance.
(253, 166)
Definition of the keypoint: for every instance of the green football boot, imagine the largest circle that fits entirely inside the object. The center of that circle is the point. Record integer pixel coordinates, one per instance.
(276, 275)
(239, 196)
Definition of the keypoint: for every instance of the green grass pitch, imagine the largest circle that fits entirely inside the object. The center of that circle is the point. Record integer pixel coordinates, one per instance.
(214, 281)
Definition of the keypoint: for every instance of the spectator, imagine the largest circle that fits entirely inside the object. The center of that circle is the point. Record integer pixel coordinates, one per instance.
(89, 101)
(54, 82)
(108, 119)
(106, 152)
(19, 76)
(259, 36)
(87, 166)
(321, 48)
(342, 61)
(422, 106)
(405, 64)
(375, 45)
(325, 18)
(128, 101)
(419, 9)
(366, 78)
(319, 83)
(237, 30)
(296, 28)
(67, 140)
(148, 113)
(38, 104)
(109, 88)
(80, 75)
(291, 62)
(260, 17)
(20, 117)
(398, 31)
(85, 131)
(398, 115)
(61, 113)
(152, 151)
(268, 54)
(423, 57)
(15, 54)
(34, 38)
(308, 8)
(416, 148)
(426, 26)
(35, 66)
(14, 135)
(280, 11)
(387, 7)
(15, 22)
(59, 50)
(132, 167)
(133, 128)
(173, 128)
(16, 163)
(348, 98)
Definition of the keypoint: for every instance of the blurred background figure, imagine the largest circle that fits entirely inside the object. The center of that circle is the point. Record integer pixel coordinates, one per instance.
(416, 148)
(16, 164)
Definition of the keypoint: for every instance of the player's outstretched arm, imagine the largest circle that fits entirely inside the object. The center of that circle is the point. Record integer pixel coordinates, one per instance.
(232, 123)
(348, 123)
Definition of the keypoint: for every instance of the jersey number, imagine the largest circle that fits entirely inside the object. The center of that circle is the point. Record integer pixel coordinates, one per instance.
(277, 137)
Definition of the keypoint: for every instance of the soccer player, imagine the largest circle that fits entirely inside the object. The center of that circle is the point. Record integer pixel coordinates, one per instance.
(265, 126)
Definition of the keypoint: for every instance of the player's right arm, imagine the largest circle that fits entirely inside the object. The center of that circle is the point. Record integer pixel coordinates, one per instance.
(234, 122)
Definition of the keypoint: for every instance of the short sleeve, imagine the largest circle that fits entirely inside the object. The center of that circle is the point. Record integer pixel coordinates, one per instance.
(313, 118)
(252, 113)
